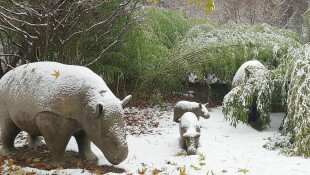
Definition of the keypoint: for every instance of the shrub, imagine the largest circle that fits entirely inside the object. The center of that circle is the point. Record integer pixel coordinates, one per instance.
(222, 50)
(296, 88)
(147, 50)
(237, 104)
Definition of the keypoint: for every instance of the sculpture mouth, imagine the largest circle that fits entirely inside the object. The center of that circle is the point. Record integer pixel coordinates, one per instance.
(207, 116)
(119, 157)
(191, 152)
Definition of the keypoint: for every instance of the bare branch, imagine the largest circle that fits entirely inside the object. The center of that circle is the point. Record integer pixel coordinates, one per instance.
(110, 18)
(15, 55)
(16, 29)
(9, 11)
(22, 21)
(10, 38)
(29, 9)
(101, 53)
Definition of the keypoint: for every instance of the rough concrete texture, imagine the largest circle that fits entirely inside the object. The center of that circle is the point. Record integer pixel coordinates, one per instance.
(58, 101)
(200, 110)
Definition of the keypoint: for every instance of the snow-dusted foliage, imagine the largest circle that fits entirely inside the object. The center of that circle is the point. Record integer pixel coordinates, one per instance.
(296, 89)
(257, 89)
(203, 36)
(221, 50)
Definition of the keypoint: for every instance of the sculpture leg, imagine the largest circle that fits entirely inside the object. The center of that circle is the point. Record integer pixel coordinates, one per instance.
(56, 131)
(8, 133)
(84, 145)
(183, 143)
(34, 142)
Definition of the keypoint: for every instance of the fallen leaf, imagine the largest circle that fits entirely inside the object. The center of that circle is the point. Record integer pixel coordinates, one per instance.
(202, 164)
(195, 168)
(142, 171)
(244, 171)
(182, 171)
(56, 73)
(202, 157)
(156, 172)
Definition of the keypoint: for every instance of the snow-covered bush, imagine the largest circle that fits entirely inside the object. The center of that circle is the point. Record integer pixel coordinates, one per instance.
(293, 74)
(255, 92)
(221, 50)
(296, 89)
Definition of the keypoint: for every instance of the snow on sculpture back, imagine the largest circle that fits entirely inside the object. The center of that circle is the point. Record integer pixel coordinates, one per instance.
(182, 107)
(248, 68)
(189, 132)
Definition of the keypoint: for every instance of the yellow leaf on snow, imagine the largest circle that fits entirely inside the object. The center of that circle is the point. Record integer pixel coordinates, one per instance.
(56, 73)
(195, 168)
(244, 171)
(182, 171)
(202, 157)
(156, 172)
(202, 164)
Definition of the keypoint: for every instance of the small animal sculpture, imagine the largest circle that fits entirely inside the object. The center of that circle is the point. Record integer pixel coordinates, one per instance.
(58, 101)
(250, 69)
(246, 70)
(198, 109)
(189, 132)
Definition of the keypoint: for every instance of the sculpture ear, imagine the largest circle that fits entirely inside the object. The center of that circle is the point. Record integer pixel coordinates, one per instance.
(126, 100)
(247, 72)
(206, 104)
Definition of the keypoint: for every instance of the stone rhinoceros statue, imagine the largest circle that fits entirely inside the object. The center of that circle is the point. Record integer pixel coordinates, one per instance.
(182, 107)
(58, 101)
(189, 132)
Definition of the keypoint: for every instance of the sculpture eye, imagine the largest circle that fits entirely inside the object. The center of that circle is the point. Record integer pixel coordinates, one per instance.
(102, 92)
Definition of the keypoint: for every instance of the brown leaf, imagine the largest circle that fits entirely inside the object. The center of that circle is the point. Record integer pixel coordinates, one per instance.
(142, 171)
(156, 172)
(182, 171)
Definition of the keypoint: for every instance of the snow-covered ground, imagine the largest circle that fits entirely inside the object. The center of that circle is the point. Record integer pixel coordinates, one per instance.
(224, 149)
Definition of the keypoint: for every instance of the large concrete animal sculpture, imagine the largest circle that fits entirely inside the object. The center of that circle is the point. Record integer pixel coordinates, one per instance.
(58, 101)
